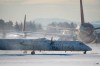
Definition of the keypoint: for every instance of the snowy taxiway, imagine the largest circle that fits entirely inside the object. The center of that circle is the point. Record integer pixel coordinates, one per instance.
(45, 58)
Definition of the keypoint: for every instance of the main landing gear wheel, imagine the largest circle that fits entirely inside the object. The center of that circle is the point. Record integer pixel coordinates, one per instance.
(84, 52)
(33, 52)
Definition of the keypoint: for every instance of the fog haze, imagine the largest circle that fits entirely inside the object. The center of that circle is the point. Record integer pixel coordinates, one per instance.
(64, 9)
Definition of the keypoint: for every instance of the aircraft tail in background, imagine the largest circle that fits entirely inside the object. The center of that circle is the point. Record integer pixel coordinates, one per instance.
(81, 11)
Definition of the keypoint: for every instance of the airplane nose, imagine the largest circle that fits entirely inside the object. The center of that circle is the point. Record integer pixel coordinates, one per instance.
(85, 47)
(89, 49)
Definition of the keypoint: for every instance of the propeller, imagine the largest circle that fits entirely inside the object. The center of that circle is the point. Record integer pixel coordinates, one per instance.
(52, 42)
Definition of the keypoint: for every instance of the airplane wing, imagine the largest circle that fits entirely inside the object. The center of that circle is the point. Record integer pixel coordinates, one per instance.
(96, 26)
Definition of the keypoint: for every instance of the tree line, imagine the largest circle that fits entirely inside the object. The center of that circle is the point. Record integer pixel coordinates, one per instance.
(10, 26)
(33, 26)
(57, 27)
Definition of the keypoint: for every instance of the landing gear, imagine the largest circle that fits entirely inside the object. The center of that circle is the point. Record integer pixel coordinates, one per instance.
(84, 52)
(33, 52)
(25, 52)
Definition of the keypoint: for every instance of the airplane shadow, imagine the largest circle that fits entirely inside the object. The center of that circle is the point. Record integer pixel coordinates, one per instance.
(55, 54)
(12, 54)
(38, 54)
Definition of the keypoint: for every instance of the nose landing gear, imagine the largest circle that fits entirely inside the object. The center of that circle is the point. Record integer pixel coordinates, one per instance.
(33, 52)
(84, 52)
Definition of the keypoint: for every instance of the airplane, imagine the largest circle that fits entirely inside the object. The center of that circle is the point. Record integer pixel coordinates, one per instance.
(42, 44)
(45, 44)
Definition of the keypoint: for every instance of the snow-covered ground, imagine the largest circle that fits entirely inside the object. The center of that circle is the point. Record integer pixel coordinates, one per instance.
(49, 58)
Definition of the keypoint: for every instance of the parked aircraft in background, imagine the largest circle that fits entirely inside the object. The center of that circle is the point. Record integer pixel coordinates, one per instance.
(86, 32)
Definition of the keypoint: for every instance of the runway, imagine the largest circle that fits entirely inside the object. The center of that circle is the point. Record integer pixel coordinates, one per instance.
(49, 58)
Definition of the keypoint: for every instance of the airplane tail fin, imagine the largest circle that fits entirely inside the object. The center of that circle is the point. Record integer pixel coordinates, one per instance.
(52, 40)
(24, 26)
(81, 11)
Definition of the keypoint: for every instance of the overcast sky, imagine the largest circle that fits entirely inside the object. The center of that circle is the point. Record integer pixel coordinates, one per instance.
(65, 9)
